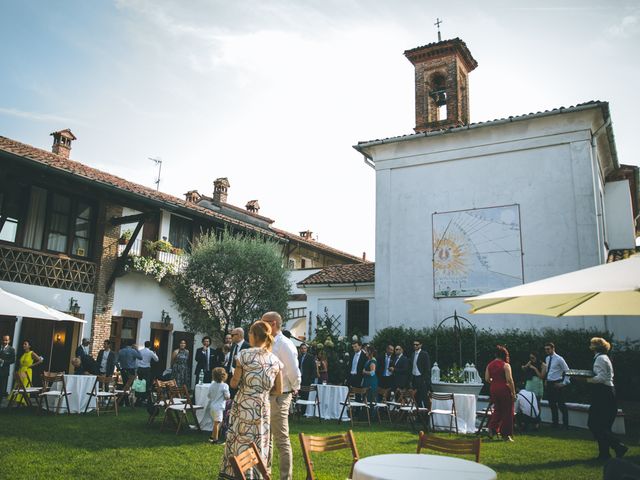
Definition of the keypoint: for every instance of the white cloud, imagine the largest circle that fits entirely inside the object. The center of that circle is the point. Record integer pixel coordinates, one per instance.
(627, 27)
(40, 117)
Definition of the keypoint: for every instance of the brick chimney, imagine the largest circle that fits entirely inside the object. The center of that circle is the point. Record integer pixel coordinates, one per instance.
(192, 196)
(307, 235)
(62, 142)
(253, 206)
(220, 187)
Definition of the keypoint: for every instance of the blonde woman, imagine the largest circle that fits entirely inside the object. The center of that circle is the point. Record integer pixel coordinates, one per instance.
(256, 375)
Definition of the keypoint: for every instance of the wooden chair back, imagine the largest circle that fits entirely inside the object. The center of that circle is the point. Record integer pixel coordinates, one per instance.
(455, 446)
(54, 385)
(441, 396)
(50, 378)
(384, 393)
(246, 460)
(355, 391)
(22, 391)
(312, 443)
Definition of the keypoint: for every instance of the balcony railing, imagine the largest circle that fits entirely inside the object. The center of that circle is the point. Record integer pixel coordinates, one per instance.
(137, 249)
(55, 271)
(296, 313)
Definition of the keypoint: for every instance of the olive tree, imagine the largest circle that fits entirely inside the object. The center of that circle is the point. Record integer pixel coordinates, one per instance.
(230, 282)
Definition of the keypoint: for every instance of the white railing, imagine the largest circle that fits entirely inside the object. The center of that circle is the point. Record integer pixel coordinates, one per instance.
(179, 261)
(136, 248)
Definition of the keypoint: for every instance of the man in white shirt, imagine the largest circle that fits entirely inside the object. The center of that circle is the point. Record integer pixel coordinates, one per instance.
(526, 408)
(284, 349)
(556, 380)
(144, 367)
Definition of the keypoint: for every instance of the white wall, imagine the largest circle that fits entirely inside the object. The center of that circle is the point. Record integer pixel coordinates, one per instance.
(296, 276)
(545, 165)
(619, 215)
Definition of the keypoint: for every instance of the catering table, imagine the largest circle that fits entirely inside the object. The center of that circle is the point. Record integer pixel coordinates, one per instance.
(330, 398)
(79, 386)
(204, 415)
(412, 465)
(465, 412)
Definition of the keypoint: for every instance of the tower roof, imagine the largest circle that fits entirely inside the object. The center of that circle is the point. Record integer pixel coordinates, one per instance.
(440, 49)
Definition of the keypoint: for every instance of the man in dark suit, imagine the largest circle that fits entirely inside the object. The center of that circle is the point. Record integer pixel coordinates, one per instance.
(400, 368)
(308, 368)
(356, 365)
(7, 357)
(83, 349)
(219, 355)
(106, 359)
(420, 368)
(385, 362)
(205, 360)
(238, 343)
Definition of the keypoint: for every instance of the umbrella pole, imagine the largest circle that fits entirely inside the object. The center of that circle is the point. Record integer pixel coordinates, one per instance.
(51, 349)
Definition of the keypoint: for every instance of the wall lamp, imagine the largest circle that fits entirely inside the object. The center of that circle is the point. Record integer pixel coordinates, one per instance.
(74, 308)
(165, 318)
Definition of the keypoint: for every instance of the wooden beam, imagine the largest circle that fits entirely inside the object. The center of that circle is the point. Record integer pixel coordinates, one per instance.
(125, 254)
(130, 218)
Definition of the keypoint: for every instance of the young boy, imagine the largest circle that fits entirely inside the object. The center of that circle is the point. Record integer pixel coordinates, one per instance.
(218, 396)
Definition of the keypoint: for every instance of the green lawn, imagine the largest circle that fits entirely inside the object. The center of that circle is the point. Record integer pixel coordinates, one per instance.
(86, 446)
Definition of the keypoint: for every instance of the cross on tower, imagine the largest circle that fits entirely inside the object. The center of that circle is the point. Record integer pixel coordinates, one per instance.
(437, 24)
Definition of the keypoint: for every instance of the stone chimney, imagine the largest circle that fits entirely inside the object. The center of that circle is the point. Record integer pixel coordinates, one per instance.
(220, 188)
(192, 196)
(62, 142)
(253, 206)
(307, 235)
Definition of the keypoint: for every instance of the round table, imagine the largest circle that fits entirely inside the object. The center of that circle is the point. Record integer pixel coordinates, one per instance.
(412, 465)
(330, 398)
(465, 413)
(79, 386)
(202, 398)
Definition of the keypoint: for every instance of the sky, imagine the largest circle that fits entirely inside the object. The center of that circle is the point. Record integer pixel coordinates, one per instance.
(274, 94)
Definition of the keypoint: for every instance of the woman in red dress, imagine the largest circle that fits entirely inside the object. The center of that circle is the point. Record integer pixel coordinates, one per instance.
(503, 393)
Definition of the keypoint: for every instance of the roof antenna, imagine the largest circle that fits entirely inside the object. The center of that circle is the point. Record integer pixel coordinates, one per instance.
(158, 162)
(437, 24)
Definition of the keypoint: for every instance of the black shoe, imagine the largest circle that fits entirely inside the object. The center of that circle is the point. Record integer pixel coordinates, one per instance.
(621, 450)
(602, 458)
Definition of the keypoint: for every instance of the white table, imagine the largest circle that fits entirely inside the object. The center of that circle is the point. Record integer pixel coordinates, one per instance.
(465, 412)
(330, 398)
(418, 466)
(204, 415)
(79, 386)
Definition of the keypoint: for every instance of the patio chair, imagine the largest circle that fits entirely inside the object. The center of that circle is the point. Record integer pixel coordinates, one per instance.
(54, 387)
(23, 389)
(312, 443)
(249, 459)
(451, 413)
(104, 392)
(484, 416)
(125, 392)
(302, 402)
(445, 445)
(179, 410)
(383, 403)
(356, 398)
(160, 398)
(409, 411)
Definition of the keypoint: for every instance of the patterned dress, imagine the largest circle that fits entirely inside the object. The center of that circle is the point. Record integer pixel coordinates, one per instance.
(180, 370)
(250, 413)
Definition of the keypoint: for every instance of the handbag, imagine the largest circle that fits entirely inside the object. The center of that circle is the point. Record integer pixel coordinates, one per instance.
(139, 386)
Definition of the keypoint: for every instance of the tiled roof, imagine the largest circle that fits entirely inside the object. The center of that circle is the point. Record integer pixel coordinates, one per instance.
(338, 274)
(437, 49)
(64, 165)
(513, 118)
(621, 254)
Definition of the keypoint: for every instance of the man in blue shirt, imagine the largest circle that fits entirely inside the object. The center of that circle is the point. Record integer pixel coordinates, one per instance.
(127, 359)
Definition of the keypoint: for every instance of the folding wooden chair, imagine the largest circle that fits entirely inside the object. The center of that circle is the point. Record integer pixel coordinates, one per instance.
(310, 443)
(444, 445)
(484, 416)
(356, 398)
(126, 391)
(23, 390)
(104, 392)
(54, 387)
(451, 413)
(302, 402)
(179, 410)
(383, 403)
(408, 409)
(249, 459)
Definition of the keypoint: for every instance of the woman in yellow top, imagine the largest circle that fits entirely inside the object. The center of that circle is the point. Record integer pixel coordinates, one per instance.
(28, 360)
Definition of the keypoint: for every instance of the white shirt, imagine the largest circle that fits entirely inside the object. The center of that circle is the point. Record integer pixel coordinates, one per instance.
(387, 362)
(147, 356)
(284, 349)
(556, 371)
(354, 363)
(218, 395)
(105, 358)
(206, 353)
(415, 371)
(603, 369)
(527, 403)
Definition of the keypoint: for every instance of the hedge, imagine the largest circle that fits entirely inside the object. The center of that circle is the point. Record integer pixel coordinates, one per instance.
(573, 345)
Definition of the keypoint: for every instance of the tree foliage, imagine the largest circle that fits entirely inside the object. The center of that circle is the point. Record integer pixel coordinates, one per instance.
(230, 282)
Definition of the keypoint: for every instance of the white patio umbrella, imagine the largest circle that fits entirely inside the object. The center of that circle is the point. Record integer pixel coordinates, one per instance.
(15, 306)
(609, 289)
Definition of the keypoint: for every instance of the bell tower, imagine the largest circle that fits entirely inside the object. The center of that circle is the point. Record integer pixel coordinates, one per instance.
(442, 86)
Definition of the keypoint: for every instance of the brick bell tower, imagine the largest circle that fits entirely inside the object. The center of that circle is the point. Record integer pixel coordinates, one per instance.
(442, 86)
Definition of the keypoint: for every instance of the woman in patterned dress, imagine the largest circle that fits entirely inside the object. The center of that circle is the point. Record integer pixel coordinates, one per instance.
(180, 365)
(256, 375)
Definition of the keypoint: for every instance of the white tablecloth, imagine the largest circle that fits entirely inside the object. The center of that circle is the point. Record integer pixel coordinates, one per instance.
(330, 398)
(204, 415)
(79, 386)
(465, 410)
(411, 465)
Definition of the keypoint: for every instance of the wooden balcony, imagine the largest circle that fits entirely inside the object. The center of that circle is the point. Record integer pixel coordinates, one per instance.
(138, 249)
(46, 270)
